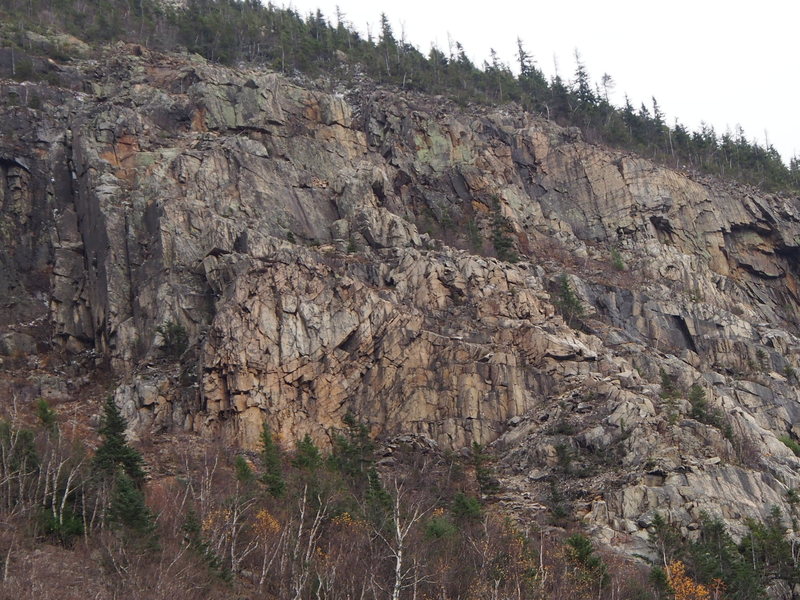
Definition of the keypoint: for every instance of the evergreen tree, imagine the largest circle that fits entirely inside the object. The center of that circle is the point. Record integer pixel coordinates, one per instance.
(715, 556)
(307, 456)
(114, 452)
(591, 569)
(128, 509)
(353, 449)
(387, 43)
(244, 474)
(193, 537)
(769, 550)
(568, 303)
(581, 86)
(47, 416)
(484, 473)
(271, 461)
(378, 501)
(466, 508)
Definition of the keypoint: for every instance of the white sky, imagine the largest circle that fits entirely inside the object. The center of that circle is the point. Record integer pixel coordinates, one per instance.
(725, 62)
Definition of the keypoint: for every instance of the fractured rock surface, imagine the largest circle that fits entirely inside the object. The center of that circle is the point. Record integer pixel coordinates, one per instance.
(326, 251)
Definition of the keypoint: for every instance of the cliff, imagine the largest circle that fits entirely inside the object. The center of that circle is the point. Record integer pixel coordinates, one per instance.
(238, 247)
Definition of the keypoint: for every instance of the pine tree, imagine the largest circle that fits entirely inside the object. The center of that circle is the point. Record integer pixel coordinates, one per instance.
(484, 473)
(244, 474)
(128, 508)
(378, 501)
(47, 416)
(568, 303)
(307, 456)
(591, 569)
(353, 449)
(581, 86)
(115, 453)
(271, 461)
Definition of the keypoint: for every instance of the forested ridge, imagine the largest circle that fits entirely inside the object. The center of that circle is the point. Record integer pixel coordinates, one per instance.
(236, 31)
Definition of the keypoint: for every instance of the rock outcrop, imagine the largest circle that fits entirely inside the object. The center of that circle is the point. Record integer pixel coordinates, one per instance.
(241, 248)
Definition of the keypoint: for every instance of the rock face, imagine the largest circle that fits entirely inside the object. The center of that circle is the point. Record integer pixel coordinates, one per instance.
(241, 248)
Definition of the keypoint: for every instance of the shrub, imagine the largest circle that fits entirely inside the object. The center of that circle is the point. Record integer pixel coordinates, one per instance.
(501, 239)
(466, 508)
(440, 527)
(616, 260)
(175, 338)
(791, 444)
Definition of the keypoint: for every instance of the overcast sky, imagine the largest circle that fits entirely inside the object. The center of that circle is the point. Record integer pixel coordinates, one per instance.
(722, 62)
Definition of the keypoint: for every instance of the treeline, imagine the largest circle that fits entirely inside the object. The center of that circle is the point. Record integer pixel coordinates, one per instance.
(234, 31)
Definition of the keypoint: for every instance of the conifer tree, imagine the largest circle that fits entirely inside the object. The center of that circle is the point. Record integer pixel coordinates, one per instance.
(352, 450)
(378, 501)
(115, 453)
(128, 508)
(47, 416)
(271, 461)
(568, 303)
(244, 474)
(307, 456)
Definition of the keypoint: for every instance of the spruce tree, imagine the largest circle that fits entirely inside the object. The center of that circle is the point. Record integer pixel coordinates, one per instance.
(115, 453)
(271, 461)
(47, 416)
(378, 502)
(307, 456)
(244, 474)
(352, 452)
(128, 509)
(568, 303)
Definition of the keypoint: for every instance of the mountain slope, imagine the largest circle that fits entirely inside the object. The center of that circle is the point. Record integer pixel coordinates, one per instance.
(241, 248)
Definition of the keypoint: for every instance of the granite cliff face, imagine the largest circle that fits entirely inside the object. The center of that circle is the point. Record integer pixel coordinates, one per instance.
(325, 250)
